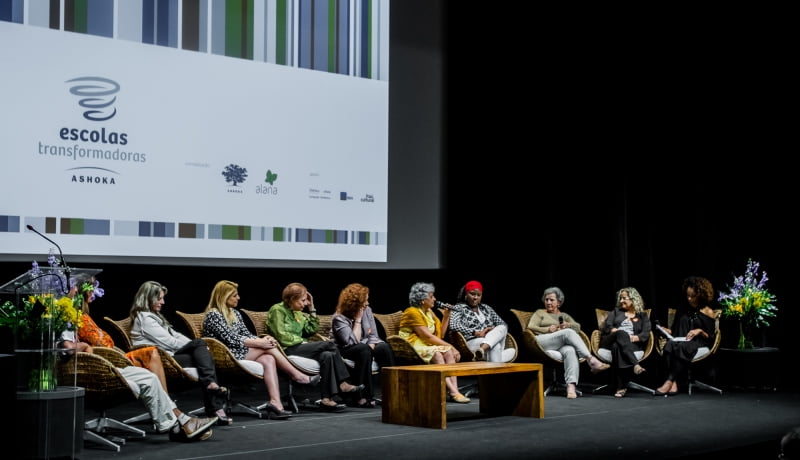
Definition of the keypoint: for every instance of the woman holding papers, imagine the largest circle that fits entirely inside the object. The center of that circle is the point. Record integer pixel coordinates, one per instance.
(697, 325)
(625, 331)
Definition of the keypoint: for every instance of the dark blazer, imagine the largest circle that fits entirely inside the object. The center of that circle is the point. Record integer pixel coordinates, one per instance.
(641, 324)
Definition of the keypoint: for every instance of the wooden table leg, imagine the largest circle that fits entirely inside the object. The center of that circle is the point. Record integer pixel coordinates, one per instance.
(424, 407)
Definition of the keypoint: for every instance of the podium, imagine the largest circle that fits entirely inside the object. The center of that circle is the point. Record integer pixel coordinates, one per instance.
(52, 418)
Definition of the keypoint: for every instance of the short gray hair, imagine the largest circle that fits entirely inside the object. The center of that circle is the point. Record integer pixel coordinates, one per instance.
(554, 290)
(419, 292)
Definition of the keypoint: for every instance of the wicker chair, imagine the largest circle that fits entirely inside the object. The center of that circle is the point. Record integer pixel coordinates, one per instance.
(232, 371)
(403, 350)
(604, 354)
(179, 378)
(702, 353)
(549, 358)
(105, 388)
(305, 365)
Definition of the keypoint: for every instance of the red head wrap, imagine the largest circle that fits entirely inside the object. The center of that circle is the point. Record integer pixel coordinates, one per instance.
(472, 285)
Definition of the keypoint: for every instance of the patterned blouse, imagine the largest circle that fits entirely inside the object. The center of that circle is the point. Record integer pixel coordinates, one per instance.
(233, 336)
(92, 334)
(466, 321)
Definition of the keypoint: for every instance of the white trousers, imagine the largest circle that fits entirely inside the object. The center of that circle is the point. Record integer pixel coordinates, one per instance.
(572, 349)
(152, 395)
(496, 339)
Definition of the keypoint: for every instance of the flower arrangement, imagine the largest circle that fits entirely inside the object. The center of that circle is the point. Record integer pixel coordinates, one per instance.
(37, 323)
(749, 301)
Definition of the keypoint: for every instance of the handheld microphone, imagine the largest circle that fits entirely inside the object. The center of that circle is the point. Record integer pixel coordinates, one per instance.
(63, 262)
(560, 320)
(440, 304)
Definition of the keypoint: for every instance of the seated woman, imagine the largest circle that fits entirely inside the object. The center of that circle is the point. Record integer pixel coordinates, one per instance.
(354, 330)
(626, 331)
(166, 416)
(291, 327)
(556, 330)
(224, 323)
(481, 326)
(697, 324)
(150, 327)
(420, 327)
(90, 333)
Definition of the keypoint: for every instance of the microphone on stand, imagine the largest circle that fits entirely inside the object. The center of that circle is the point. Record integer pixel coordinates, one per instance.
(63, 262)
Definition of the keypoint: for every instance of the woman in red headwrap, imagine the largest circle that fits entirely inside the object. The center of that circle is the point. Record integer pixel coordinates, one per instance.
(483, 328)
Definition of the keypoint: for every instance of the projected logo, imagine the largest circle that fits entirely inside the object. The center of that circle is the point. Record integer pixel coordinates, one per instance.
(234, 175)
(97, 95)
(271, 189)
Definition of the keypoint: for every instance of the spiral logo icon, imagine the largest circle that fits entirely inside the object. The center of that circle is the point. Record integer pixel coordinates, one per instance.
(97, 95)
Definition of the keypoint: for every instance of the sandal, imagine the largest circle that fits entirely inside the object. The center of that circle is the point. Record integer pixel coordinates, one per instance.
(459, 398)
(620, 393)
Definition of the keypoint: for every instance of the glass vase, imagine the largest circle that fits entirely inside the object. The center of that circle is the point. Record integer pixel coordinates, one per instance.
(745, 339)
(36, 361)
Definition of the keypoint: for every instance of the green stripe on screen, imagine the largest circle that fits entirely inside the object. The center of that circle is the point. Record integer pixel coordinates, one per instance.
(280, 32)
(71, 226)
(235, 232)
(81, 9)
(238, 30)
(278, 234)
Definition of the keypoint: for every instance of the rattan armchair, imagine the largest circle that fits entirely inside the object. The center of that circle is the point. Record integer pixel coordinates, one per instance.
(551, 359)
(105, 388)
(702, 354)
(604, 354)
(179, 378)
(403, 350)
(231, 371)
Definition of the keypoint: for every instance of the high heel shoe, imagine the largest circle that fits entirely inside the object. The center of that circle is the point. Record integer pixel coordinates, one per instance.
(279, 414)
(314, 380)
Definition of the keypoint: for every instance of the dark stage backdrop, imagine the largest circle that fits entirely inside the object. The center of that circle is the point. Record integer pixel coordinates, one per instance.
(607, 166)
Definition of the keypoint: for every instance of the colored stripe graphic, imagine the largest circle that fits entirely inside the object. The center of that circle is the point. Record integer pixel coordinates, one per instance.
(9, 224)
(229, 232)
(347, 37)
(156, 229)
(186, 230)
(239, 28)
(92, 17)
(77, 226)
(310, 235)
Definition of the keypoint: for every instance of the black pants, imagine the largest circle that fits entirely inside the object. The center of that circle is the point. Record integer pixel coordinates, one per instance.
(332, 369)
(196, 354)
(363, 355)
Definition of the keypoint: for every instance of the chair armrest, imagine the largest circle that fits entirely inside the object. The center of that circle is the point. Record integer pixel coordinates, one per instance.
(403, 350)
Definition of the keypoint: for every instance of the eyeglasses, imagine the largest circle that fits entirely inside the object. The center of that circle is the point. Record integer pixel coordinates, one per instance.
(624, 298)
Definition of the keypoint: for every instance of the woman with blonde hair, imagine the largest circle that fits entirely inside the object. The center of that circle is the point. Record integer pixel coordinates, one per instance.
(224, 323)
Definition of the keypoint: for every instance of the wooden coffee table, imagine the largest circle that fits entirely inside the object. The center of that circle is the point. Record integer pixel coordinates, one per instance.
(417, 395)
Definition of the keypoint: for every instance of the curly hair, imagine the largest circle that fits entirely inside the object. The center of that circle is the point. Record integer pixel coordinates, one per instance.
(703, 290)
(636, 298)
(351, 299)
(419, 292)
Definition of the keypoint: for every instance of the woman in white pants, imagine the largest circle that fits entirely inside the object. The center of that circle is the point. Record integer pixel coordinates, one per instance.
(480, 325)
(556, 330)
